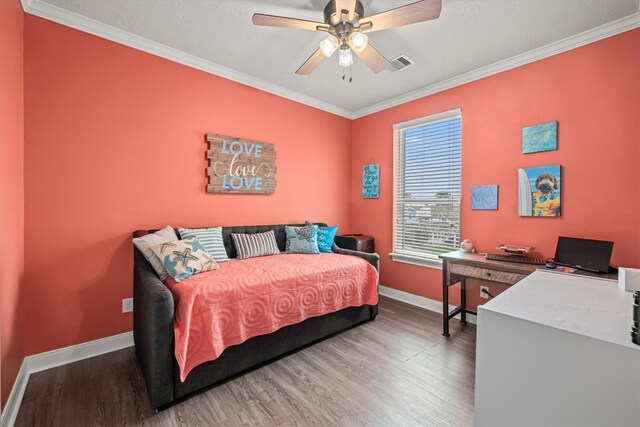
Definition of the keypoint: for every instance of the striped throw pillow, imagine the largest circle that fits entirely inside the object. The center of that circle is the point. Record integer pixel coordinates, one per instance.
(254, 245)
(211, 239)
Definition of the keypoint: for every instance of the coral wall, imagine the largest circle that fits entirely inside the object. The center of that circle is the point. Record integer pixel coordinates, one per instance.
(592, 91)
(115, 142)
(11, 194)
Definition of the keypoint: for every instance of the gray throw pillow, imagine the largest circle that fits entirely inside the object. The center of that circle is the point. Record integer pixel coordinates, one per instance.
(254, 245)
(302, 240)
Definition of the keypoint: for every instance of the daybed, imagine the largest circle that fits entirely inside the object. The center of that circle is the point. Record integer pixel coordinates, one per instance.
(154, 333)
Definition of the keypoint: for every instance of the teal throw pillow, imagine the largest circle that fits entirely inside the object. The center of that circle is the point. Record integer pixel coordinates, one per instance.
(302, 240)
(326, 236)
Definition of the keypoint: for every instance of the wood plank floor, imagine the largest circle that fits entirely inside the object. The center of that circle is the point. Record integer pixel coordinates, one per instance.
(396, 370)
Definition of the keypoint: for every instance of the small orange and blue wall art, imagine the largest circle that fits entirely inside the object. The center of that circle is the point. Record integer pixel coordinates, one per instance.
(539, 190)
(542, 137)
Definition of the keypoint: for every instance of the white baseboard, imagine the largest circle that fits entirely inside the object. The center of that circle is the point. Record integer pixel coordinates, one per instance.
(418, 301)
(54, 358)
(10, 411)
(63, 356)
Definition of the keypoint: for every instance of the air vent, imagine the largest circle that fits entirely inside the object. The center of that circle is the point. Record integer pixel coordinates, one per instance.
(400, 63)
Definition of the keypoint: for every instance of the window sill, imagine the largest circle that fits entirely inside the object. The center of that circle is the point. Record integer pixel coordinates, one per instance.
(417, 260)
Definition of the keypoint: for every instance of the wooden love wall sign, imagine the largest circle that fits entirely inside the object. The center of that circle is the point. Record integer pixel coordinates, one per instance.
(240, 166)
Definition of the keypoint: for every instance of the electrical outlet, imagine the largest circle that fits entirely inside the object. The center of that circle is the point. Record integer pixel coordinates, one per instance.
(127, 305)
(482, 294)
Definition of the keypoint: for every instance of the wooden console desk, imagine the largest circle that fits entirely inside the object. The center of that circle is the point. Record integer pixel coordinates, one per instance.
(457, 266)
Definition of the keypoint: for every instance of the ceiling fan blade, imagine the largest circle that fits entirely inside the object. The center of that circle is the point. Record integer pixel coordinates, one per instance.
(310, 64)
(349, 5)
(420, 11)
(284, 22)
(374, 59)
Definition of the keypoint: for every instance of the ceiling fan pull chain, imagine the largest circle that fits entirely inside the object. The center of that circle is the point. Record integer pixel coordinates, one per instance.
(350, 76)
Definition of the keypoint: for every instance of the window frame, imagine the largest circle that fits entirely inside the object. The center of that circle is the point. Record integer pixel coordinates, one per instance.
(407, 256)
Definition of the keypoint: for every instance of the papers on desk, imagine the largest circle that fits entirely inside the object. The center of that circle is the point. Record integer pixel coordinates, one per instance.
(576, 272)
(558, 269)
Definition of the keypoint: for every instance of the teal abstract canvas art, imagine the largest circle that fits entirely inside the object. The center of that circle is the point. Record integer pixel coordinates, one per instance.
(542, 137)
(484, 197)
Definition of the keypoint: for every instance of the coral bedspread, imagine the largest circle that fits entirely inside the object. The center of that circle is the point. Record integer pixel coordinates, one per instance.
(257, 296)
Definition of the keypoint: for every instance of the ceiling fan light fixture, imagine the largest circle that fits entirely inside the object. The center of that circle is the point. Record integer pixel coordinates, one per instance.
(329, 45)
(345, 58)
(346, 23)
(358, 41)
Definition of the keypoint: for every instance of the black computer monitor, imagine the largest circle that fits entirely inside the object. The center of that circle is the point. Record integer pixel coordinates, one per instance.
(584, 254)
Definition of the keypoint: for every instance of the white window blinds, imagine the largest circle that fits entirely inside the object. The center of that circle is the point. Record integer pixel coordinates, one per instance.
(427, 187)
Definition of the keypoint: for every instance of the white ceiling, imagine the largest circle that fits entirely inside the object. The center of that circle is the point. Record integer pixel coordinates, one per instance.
(469, 35)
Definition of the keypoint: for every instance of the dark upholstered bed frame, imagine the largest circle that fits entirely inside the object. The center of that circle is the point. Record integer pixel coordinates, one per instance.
(153, 329)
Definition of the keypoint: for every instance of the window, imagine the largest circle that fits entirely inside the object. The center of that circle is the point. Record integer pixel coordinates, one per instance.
(426, 199)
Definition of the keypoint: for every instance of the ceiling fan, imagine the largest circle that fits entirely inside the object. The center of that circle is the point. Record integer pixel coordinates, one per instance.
(347, 26)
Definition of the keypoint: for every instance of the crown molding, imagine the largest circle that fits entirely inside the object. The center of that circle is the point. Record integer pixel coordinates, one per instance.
(91, 26)
(607, 30)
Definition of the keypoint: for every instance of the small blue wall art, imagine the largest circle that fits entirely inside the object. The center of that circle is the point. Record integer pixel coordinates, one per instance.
(484, 197)
(371, 181)
(542, 137)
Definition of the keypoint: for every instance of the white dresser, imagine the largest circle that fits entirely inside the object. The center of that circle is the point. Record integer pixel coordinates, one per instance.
(555, 350)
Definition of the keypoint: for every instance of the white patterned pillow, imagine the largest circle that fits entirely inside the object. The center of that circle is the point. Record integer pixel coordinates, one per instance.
(211, 239)
(254, 245)
(149, 241)
(184, 258)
